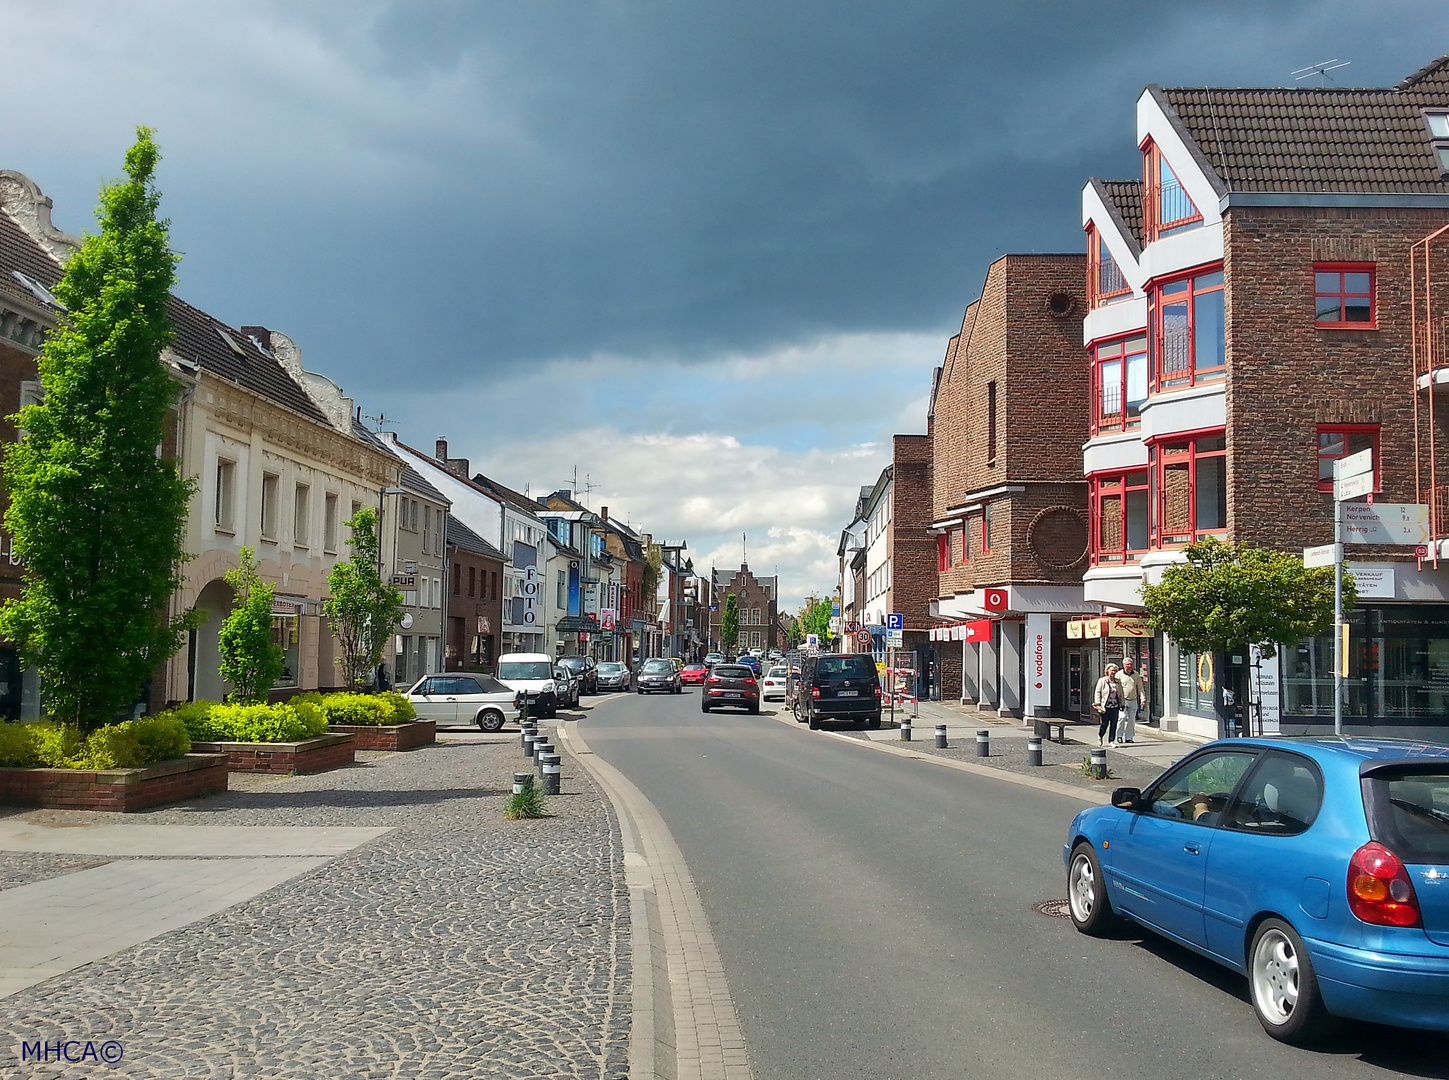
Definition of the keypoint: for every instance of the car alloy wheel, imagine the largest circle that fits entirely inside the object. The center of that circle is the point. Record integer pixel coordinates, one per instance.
(490, 720)
(1283, 985)
(1087, 901)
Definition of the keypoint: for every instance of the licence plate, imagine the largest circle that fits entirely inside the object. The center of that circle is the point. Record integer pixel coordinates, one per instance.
(732, 693)
(847, 693)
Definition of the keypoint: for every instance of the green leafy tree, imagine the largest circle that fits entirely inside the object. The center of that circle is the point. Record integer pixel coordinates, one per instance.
(1228, 596)
(250, 660)
(362, 608)
(816, 619)
(729, 622)
(96, 514)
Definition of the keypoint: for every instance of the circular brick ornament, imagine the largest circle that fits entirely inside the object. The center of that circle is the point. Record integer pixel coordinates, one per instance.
(1057, 529)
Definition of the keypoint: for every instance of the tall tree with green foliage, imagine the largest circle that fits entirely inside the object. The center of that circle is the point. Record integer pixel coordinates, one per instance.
(815, 619)
(97, 515)
(363, 609)
(1228, 596)
(729, 622)
(250, 660)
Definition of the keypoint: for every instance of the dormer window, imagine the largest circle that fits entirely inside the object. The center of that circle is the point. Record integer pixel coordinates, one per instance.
(1167, 208)
(1105, 281)
(1439, 131)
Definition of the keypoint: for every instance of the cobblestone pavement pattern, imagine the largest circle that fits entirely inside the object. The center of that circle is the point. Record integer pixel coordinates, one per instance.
(458, 945)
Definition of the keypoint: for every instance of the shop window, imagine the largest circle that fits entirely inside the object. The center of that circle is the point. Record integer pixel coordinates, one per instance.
(1197, 684)
(1120, 525)
(1119, 384)
(1167, 209)
(1343, 440)
(1105, 281)
(1190, 476)
(285, 635)
(1343, 296)
(1188, 334)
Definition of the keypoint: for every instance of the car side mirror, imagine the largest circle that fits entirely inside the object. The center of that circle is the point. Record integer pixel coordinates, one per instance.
(1127, 798)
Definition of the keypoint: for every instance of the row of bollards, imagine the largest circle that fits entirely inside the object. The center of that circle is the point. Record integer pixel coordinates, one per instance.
(1033, 747)
(549, 763)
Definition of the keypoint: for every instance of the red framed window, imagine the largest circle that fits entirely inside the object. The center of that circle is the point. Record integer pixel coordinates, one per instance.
(1187, 332)
(943, 552)
(1119, 384)
(1190, 488)
(1167, 209)
(1343, 296)
(1339, 441)
(1121, 518)
(1105, 282)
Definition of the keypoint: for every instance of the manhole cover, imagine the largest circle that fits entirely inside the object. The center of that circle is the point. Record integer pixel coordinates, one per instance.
(1055, 909)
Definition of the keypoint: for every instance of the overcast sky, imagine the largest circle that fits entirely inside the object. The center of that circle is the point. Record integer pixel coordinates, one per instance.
(705, 251)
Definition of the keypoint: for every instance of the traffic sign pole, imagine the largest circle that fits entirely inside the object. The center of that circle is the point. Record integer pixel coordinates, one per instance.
(1338, 656)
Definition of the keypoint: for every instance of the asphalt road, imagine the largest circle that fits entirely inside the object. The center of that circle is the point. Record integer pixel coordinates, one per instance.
(874, 915)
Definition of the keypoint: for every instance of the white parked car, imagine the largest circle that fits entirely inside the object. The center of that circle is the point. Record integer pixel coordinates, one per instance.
(772, 687)
(532, 674)
(463, 697)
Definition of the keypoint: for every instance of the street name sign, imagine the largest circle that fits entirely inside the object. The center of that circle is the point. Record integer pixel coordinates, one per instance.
(1322, 555)
(1353, 465)
(1351, 487)
(1386, 523)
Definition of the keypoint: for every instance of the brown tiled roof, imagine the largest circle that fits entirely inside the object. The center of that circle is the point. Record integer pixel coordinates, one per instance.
(1429, 86)
(1315, 139)
(19, 252)
(1124, 199)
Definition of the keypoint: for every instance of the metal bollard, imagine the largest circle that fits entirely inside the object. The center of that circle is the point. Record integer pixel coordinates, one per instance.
(1099, 763)
(522, 781)
(1033, 750)
(940, 736)
(541, 747)
(552, 770)
(983, 743)
(529, 738)
(530, 730)
(905, 731)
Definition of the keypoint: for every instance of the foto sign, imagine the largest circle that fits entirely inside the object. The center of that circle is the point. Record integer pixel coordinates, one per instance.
(1386, 523)
(1322, 555)
(1351, 487)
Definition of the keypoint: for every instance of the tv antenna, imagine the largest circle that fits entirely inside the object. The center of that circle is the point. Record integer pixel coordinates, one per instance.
(1320, 70)
(380, 421)
(587, 488)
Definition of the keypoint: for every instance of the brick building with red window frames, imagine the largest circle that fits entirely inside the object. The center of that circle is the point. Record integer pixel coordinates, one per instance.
(1008, 415)
(1264, 263)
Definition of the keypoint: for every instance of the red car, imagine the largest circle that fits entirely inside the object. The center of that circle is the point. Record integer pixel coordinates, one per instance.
(693, 674)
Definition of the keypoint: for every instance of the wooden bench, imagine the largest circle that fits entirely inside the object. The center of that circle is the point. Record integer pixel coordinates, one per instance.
(1045, 724)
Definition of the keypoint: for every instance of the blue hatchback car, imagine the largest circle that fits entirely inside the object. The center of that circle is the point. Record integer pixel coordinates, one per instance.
(1318, 867)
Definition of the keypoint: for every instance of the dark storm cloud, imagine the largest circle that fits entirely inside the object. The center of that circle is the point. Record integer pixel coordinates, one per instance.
(681, 178)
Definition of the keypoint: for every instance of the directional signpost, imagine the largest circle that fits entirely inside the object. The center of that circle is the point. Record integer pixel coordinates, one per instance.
(1353, 476)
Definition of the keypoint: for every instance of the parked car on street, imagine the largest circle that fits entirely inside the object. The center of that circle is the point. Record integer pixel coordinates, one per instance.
(569, 689)
(838, 686)
(772, 688)
(711, 659)
(612, 675)
(693, 674)
(464, 697)
(658, 675)
(1318, 868)
(585, 670)
(731, 684)
(532, 674)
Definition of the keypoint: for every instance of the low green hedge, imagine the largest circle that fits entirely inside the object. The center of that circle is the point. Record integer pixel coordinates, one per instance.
(211, 721)
(115, 746)
(377, 710)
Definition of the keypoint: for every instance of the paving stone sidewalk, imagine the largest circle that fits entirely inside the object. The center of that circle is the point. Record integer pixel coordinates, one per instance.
(458, 945)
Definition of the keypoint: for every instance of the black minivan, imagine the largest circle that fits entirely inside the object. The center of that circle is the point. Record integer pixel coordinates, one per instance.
(838, 686)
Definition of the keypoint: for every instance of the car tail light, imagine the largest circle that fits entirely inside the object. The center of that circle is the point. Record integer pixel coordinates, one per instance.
(815, 692)
(714, 678)
(750, 682)
(1379, 889)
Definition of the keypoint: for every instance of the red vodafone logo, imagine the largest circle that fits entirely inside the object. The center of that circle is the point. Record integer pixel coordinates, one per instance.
(995, 600)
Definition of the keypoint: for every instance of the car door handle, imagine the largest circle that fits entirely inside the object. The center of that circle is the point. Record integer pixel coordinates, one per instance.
(1192, 849)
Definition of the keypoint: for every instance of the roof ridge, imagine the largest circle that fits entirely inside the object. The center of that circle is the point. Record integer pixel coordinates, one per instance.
(1424, 72)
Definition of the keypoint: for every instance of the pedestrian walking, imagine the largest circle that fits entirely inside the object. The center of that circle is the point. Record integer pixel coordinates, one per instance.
(1133, 693)
(1107, 700)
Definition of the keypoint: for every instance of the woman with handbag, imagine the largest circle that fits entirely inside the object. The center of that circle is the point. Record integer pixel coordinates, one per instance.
(1107, 701)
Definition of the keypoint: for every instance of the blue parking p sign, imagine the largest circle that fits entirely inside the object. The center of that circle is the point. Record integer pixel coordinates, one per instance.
(895, 621)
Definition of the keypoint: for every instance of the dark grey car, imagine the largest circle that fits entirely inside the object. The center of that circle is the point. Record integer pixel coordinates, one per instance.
(730, 684)
(658, 676)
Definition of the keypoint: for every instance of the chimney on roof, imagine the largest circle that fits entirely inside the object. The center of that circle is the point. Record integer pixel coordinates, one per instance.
(604, 512)
(440, 450)
(261, 335)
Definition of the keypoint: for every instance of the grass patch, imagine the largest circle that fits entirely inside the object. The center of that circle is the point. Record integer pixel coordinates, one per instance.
(528, 803)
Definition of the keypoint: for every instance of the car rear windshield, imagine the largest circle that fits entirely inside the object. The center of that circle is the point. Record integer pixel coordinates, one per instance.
(657, 667)
(857, 666)
(733, 671)
(524, 670)
(1409, 814)
(574, 663)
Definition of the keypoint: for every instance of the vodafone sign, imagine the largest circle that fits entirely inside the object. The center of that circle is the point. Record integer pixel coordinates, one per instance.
(995, 599)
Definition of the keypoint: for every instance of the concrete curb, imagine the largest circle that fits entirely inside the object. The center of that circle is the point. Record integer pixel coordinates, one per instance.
(1099, 798)
(684, 1024)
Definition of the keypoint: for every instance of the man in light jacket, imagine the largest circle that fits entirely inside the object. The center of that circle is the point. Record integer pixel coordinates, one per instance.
(1133, 693)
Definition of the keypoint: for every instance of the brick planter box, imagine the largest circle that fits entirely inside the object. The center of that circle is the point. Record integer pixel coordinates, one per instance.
(308, 756)
(117, 790)
(407, 736)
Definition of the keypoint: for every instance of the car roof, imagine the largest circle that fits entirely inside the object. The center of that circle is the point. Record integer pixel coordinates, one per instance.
(530, 657)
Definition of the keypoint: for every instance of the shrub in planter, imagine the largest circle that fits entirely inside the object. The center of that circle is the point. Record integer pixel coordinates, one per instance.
(254, 723)
(402, 708)
(18, 747)
(115, 746)
(377, 710)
